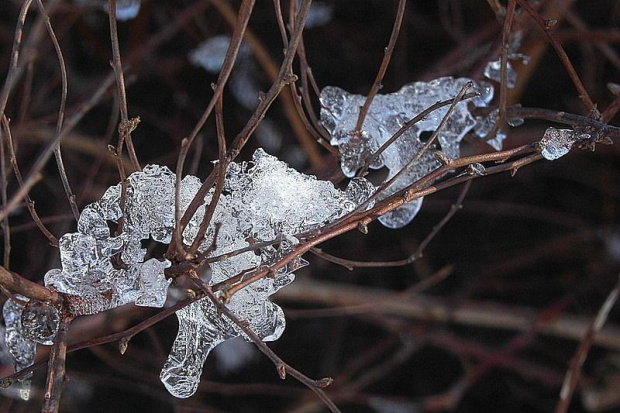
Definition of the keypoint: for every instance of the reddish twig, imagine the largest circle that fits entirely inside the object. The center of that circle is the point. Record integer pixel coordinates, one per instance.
(126, 126)
(29, 202)
(574, 372)
(56, 373)
(376, 86)
(583, 93)
(61, 110)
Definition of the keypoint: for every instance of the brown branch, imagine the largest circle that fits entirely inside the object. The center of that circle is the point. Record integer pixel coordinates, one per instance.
(29, 202)
(384, 65)
(219, 187)
(281, 366)
(126, 126)
(349, 264)
(574, 372)
(56, 374)
(18, 284)
(583, 93)
(61, 110)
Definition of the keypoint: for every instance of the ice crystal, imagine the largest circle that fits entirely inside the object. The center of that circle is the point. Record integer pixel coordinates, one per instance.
(387, 114)
(557, 142)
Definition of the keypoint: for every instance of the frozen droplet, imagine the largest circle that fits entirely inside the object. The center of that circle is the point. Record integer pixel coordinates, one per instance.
(493, 71)
(556, 143)
(497, 142)
(40, 322)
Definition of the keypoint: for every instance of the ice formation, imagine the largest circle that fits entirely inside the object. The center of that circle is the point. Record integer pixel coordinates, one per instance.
(557, 142)
(263, 200)
(387, 114)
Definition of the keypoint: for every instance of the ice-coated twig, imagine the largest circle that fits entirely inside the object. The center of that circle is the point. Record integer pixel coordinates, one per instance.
(388, 116)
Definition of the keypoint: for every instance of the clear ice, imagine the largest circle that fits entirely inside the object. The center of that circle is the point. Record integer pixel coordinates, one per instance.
(387, 114)
(105, 270)
(556, 143)
(263, 200)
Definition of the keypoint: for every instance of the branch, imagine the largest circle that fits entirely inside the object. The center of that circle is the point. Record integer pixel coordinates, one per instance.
(18, 284)
(56, 373)
(282, 367)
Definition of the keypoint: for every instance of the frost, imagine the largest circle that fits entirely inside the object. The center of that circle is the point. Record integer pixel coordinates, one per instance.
(557, 142)
(387, 114)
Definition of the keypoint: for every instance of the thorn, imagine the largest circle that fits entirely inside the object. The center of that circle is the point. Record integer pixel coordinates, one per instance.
(281, 371)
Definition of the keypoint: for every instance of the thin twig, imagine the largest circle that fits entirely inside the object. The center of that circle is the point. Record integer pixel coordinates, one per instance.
(29, 202)
(574, 372)
(376, 86)
(126, 126)
(349, 264)
(583, 93)
(219, 187)
(13, 73)
(61, 110)
(407, 125)
(271, 70)
(56, 373)
(281, 366)
(503, 83)
(6, 230)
